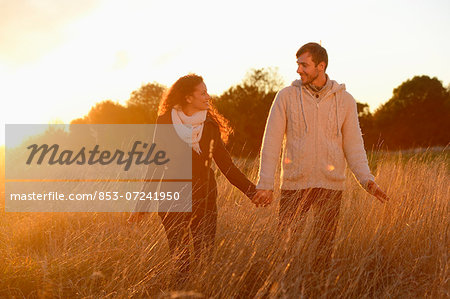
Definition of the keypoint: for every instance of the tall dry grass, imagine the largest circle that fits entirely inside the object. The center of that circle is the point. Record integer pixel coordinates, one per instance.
(396, 250)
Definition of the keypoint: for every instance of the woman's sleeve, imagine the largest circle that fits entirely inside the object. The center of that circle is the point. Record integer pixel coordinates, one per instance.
(231, 172)
(143, 206)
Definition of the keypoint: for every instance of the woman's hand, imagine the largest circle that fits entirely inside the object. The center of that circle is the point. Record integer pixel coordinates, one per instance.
(263, 198)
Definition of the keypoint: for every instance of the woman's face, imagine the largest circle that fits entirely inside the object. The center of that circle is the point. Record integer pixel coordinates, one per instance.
(199, 99)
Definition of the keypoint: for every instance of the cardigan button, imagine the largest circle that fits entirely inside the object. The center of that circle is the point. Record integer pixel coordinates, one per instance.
(317, 96)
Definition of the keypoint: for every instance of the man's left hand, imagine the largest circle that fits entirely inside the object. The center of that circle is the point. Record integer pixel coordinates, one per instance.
(373, 189)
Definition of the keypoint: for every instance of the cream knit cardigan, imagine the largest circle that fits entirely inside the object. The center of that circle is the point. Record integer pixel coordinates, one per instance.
(320, 135)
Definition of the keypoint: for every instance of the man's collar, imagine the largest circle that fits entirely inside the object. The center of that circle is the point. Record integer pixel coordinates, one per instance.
(317, 89)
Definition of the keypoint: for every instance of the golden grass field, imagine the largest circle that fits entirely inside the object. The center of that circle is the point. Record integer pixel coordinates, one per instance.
(396, 250)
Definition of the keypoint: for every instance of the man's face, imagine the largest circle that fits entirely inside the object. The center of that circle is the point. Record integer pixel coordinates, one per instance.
(307, 69)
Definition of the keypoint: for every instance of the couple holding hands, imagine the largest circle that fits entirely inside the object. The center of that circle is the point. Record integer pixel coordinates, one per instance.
(318, 121)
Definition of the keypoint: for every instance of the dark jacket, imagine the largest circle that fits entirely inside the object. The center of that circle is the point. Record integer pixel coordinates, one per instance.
(203, 178)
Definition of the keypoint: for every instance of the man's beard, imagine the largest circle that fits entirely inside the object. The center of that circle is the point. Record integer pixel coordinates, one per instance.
(310, 78)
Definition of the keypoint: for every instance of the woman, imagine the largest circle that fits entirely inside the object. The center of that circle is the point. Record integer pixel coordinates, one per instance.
(187, 102)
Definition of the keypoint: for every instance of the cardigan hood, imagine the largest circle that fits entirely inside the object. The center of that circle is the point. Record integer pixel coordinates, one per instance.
(331, 88)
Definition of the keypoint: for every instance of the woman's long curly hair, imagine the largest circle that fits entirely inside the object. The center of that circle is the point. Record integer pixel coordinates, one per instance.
(176, 96)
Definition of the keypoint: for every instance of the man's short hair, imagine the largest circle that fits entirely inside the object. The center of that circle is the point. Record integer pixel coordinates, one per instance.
(317, 52)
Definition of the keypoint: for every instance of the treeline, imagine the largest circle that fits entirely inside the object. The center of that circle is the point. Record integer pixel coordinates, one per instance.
(417, 115)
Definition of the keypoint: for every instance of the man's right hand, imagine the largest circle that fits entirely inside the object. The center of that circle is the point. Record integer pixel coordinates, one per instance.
(263, 198)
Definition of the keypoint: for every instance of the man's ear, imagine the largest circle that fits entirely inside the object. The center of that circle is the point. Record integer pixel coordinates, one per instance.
(188, 99)
(321, 66)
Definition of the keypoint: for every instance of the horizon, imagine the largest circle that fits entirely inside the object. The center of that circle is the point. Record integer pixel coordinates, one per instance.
(59, 59)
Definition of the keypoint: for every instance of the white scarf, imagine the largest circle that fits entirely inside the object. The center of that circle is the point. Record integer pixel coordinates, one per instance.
(189, 128)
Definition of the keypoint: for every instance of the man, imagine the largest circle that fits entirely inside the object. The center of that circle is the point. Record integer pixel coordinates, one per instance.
(318, 119)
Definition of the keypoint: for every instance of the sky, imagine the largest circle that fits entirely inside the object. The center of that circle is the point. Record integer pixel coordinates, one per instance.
(60, 57)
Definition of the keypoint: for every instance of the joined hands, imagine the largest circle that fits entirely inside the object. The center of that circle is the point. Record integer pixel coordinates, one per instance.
(262, 198)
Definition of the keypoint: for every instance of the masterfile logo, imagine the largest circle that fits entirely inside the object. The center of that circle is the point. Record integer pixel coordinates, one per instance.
(94, 156)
